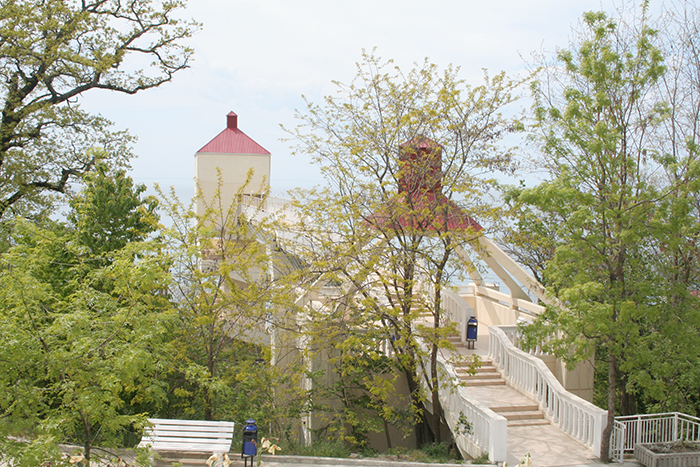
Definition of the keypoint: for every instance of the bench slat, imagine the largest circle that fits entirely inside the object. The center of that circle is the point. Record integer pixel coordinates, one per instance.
(168, 421)
(199, 432)
(183, 435)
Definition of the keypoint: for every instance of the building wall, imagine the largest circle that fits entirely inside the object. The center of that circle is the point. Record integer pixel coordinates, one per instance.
(234, 170)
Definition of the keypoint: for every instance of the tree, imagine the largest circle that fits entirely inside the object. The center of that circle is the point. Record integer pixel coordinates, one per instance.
(110, 213)
(407, 158)
(672, 382)
(229, 284)
(51, 52)
(608, 214)
(81, 336)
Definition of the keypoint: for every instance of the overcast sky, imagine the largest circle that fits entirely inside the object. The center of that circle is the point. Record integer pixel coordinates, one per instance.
(258, 57)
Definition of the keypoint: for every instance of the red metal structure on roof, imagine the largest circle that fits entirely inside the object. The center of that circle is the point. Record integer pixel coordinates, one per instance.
(420, 204)
(233, 141)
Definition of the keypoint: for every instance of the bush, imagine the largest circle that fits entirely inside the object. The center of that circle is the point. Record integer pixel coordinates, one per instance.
(440, 452)
(326, 448)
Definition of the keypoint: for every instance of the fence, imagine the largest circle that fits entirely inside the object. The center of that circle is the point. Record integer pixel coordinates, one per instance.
(617, 442)
(576, 417)
(652, 428)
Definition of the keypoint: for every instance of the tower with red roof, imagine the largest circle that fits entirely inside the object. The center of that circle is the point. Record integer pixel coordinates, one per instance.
(233, 153)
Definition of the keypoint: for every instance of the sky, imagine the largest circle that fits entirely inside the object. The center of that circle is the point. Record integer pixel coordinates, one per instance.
(258, 57)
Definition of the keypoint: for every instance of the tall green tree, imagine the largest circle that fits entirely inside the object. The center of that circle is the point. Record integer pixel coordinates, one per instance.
(81, 336)
(384, 229)
(608, 214)
(51, 52)
(110, 212)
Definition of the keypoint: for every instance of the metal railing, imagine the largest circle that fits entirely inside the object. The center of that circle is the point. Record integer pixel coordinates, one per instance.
(576, 417)
(617, 442)
(652, 428)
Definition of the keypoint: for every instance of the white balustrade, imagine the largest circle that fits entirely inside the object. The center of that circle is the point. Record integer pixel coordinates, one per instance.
(279, 207)
(577, 417)
(487, 431)
(456, 310)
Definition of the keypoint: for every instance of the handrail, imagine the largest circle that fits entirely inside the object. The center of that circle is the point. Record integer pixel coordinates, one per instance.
(513, 333)
(523, 306)
(280, 207)
(576, 417)
(658, 428)
(488, 431)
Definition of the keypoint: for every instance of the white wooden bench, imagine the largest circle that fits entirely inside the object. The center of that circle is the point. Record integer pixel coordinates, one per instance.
(188, 435)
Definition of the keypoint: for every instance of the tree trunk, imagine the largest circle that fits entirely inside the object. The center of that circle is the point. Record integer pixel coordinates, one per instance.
(87, 447)
(420, 425)
(207, 405)
(435, 384)
(612, 380)
(386, 433)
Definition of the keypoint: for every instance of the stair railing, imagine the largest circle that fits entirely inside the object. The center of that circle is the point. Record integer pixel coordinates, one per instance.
(573, 415)
(456, 310)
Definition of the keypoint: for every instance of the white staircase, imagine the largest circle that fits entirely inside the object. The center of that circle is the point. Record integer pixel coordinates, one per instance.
(514, 402)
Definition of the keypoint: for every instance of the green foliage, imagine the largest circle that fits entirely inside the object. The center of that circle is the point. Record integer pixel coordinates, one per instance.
(53, 51)
(226, 284)
(483, 459)
(325, 448)
(82, 338)
(110, 213)
(464, 426)
(429, 453)
(439, 452)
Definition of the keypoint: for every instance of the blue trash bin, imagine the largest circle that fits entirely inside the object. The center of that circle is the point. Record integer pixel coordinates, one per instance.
(250, 442)
(472, 328)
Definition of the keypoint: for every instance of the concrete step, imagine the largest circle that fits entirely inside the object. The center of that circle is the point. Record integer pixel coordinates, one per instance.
(515, 408)
(485, 363)
(521, 415)
(480, 375)
(179, 458)
(472, 381)
(486, 375)
(524, 415)
(483, 368)
(533, 422)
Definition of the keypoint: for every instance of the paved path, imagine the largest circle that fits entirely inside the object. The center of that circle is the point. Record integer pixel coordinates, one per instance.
(294, 461)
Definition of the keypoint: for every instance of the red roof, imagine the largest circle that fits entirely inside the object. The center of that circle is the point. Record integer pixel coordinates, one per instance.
(420, 204)
(233, 141)
(424, 213)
